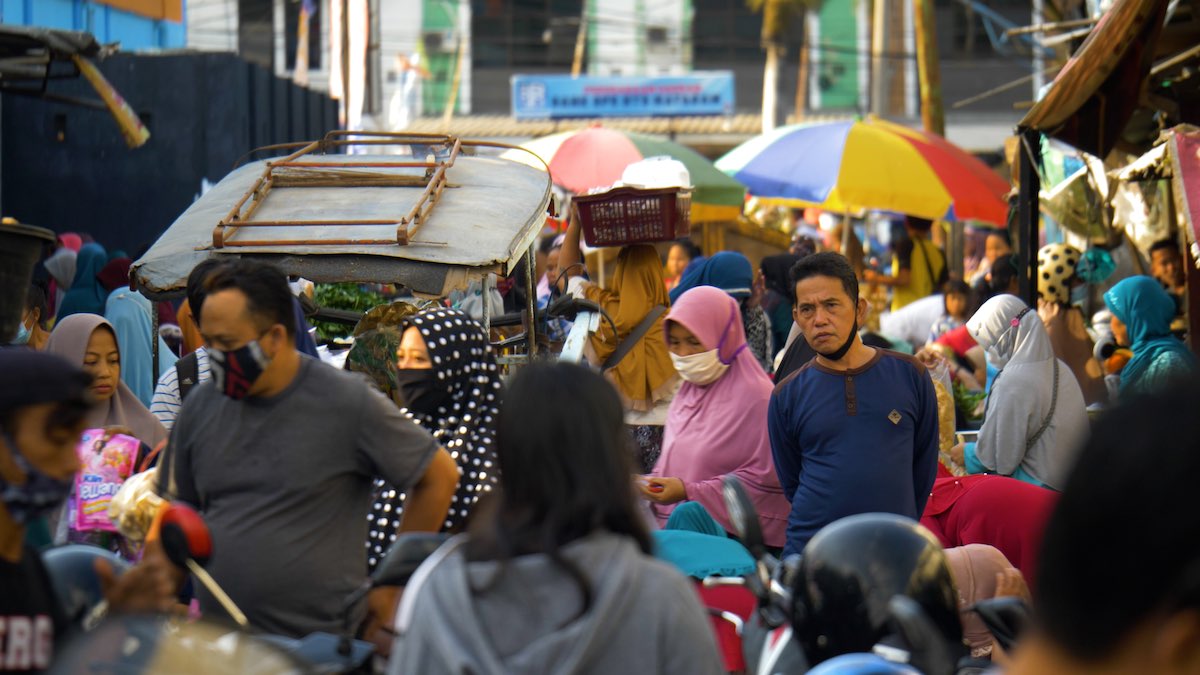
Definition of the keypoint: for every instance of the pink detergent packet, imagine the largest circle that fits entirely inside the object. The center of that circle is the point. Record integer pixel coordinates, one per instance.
(106, 466)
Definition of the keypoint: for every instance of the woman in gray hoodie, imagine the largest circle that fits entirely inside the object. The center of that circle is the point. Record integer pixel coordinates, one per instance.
(555, 574)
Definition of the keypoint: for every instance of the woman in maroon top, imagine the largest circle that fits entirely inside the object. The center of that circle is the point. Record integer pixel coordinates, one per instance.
(994, 510)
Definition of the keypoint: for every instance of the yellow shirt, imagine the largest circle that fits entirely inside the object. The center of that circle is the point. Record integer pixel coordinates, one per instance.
(921, 284)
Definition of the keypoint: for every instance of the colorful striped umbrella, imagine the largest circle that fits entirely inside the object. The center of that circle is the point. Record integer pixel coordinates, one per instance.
(857, 165)
(596, 157)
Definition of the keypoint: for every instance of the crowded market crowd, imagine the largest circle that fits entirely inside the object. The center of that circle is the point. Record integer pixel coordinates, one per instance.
(586, 500)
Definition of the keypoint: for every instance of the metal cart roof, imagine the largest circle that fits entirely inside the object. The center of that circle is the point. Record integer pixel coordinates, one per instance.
(361, 218)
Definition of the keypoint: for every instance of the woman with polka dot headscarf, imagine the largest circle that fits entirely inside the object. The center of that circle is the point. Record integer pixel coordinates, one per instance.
(444, 374)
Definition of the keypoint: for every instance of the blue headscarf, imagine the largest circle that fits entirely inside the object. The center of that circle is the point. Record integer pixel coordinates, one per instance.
(1146, 310)
(727, 270)
(131, 316)
(87, 295)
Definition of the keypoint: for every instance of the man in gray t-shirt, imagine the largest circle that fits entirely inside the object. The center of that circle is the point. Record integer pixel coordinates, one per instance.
(278, 453)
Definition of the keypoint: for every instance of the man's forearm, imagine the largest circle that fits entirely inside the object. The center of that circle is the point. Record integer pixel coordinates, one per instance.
(426, 505)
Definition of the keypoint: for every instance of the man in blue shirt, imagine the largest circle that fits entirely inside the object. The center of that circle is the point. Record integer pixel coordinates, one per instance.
(854, 430)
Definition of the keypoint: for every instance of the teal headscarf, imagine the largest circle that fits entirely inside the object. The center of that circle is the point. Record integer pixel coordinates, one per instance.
(131, 316)
(87, 295)
(1146, 309)
(728, 270)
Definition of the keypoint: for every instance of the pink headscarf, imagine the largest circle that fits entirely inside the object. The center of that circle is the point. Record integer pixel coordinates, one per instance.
(71, 241)
(721, 429)
(974, 568)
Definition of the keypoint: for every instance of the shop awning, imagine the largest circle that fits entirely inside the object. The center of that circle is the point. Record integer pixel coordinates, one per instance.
(1097, 91)
(1184, 149)
(31, 58)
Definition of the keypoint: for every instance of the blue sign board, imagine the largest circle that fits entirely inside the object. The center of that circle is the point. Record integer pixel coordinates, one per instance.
(551, 96)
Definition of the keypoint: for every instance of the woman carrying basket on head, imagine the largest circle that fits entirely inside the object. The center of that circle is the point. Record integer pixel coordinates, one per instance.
(636, 301)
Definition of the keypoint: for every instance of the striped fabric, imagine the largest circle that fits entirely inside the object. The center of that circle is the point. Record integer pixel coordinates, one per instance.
(166, 403)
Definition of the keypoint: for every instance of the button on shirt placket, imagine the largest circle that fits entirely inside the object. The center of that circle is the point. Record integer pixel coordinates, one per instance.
(851, 398)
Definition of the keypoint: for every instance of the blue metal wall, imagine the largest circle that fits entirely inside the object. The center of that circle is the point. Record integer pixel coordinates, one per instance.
(134, 32)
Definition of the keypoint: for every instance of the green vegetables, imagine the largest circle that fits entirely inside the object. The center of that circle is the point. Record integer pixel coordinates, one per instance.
(347, 296)
(969, 402)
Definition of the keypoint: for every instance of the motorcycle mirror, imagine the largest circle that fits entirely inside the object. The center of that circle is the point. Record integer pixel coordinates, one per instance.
(185, 536)
(405, 556)
(187, 542)
(743, 516)
(929, 650)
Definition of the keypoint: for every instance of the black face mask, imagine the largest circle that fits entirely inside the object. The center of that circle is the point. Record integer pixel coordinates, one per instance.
(421, 392)
(841, 351)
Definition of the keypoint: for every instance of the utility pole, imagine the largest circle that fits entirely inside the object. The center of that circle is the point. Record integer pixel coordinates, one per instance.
(1026, 234)
(345, 5)
(580, 42)
(932, 116)
(805, 64)
(878, 67)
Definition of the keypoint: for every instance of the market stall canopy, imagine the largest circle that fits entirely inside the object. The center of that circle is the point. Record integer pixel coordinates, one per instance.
(869, 164)
(19, 43)
(488, 215)
(31, 57)
(1184, 147)
(1096, 93)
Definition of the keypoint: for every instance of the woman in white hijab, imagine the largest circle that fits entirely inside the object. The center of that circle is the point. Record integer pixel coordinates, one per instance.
(1035, 419)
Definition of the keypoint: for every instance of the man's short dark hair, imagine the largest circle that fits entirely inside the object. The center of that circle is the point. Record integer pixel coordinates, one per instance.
(827, 264)
(195, 284)
(1153, 567)
(918, 224)
(268, 298)
(1165, 244)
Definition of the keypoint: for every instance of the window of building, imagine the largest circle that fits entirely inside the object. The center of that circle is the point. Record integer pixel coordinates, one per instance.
(256, 32)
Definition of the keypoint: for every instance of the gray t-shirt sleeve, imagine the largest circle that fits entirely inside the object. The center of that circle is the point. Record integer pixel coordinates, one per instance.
(390, 445)
(175, 478)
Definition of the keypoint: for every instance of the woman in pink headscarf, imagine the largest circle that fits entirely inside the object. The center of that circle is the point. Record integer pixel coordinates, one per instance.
(717, 424)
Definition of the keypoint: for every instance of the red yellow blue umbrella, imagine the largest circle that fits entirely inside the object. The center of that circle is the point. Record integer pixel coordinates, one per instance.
(857, 165)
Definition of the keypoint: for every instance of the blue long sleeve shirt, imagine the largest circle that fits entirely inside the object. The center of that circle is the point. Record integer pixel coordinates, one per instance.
(856, 441)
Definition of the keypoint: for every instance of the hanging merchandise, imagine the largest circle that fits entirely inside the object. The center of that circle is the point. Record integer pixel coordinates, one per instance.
(1096, 266)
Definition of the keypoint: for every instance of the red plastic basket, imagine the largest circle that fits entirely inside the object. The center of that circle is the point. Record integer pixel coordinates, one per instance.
(628, 215)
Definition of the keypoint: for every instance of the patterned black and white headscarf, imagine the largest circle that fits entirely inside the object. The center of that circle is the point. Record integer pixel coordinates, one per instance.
(463, 360)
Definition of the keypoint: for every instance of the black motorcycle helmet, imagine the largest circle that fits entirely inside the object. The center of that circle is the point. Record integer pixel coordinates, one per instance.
(853, 568)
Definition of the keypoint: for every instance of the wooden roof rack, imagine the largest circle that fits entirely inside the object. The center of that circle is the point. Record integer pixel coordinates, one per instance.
(304, 169)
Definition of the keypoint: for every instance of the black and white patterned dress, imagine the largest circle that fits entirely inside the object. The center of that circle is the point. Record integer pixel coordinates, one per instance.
(463, 360)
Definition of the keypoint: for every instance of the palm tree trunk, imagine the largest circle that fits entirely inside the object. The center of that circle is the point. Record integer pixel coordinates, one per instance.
(770, 88)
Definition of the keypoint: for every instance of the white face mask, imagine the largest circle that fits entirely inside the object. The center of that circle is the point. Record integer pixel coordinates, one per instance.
(700, 369)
